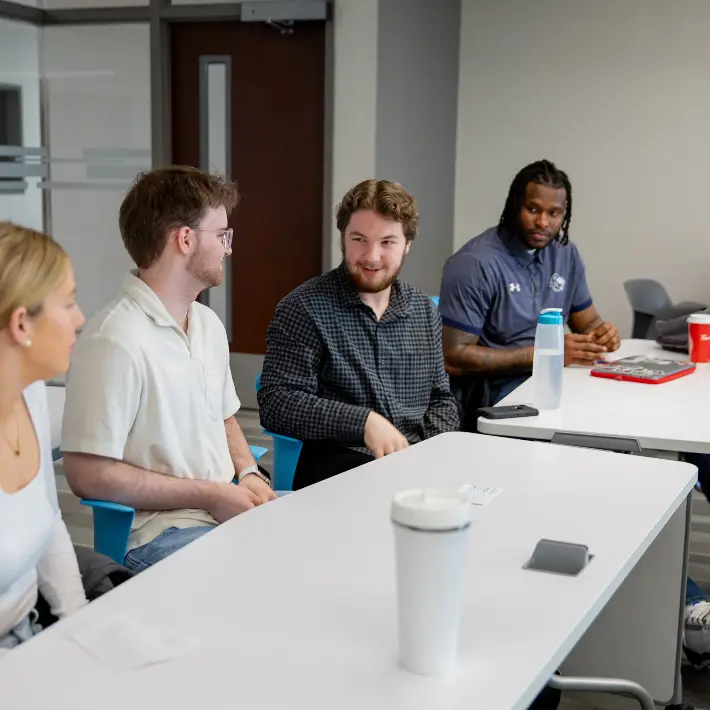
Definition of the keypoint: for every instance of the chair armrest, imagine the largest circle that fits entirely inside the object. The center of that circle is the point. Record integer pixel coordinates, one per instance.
(112, 527)
(107, 505)
(257, 452)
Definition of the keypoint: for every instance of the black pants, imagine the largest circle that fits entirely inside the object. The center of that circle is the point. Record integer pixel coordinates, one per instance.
(702, 461)
(548, 699)
(474, 391)
(320, 460)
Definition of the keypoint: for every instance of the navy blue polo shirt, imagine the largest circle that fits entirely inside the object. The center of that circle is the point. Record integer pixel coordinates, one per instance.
(495, 288)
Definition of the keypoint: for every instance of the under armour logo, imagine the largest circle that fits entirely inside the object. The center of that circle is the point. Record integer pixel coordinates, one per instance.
(514, 288)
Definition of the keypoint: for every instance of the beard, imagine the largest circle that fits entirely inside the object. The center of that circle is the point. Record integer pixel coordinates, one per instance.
(202, 272)
(532, 240)
(374, 283)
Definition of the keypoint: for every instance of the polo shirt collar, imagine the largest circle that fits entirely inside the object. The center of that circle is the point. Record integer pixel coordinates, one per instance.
(350, 297)
(147, 300)
(518, 250)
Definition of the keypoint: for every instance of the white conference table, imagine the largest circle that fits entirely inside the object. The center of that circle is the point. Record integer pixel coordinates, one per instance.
(293, 603)
(668, 417)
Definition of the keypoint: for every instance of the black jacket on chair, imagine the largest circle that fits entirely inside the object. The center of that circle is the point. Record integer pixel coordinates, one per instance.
(99, 575)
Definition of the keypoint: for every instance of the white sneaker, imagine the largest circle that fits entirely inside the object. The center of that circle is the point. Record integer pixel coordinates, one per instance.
(696, 634)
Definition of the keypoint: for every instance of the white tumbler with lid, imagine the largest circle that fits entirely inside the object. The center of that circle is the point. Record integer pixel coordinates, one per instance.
(431, 534)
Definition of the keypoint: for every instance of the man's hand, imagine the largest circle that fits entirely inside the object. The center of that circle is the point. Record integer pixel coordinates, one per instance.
(381, 437)
(258, 487)
(228, 501)
(582, 350)
(607, 335)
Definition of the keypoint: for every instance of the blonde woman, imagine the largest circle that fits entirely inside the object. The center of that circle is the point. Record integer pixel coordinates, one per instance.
(39, 319)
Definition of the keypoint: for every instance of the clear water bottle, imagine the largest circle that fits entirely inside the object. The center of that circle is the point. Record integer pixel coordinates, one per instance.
(549, 359)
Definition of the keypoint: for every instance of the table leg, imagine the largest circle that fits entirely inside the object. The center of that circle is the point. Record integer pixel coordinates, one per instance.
(614, 686)
(638, 633)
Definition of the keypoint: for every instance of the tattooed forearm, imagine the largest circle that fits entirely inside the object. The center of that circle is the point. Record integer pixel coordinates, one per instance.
(463, 355)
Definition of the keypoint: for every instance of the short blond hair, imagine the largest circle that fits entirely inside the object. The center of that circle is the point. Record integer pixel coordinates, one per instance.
(32, 265)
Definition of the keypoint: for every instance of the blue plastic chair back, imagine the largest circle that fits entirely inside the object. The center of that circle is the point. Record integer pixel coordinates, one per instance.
(112, 526)
(435, 300)
(112, 522)
(286, 453)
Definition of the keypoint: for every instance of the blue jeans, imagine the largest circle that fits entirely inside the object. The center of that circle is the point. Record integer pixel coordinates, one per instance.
(695, 593)
(169, 541)
(24, 631)
(501, 389)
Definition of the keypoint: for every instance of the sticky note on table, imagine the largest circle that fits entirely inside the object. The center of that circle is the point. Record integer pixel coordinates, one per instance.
(479, 494)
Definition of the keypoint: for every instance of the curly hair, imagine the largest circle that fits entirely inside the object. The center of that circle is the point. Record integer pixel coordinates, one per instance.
(542, 172)
(387, 198)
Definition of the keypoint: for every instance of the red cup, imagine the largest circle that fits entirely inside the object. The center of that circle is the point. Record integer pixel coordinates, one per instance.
(699, 337)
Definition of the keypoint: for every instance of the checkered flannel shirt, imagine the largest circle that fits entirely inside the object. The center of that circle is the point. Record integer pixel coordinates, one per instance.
(329, 363)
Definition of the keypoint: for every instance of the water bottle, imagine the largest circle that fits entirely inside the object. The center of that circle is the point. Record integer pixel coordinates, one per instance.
(549, 359)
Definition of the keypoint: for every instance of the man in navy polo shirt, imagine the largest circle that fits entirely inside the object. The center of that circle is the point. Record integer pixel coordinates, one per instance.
(495, 286)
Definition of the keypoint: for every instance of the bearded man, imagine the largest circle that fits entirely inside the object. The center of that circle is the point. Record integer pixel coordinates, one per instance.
(354, 364)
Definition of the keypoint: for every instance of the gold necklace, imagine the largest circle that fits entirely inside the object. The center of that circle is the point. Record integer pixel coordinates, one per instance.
(16, 449)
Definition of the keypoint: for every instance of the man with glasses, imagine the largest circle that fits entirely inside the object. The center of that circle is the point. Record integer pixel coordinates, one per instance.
(149, 417)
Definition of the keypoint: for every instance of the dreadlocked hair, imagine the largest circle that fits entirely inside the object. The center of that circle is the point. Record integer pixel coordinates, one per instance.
(542, 172)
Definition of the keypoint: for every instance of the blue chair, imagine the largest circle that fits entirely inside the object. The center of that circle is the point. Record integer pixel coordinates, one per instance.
(113, 521)
(286, 453)
(435, 300)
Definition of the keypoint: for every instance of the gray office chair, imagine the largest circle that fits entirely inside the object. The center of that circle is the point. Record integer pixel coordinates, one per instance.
(650, 302)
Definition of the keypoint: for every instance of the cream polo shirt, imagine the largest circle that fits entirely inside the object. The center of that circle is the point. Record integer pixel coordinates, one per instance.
(142, 391)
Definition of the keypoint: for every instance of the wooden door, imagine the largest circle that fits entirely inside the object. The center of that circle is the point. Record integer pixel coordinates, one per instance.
(274, 149)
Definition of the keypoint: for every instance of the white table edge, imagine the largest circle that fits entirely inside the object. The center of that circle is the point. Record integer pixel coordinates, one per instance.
(508, 428)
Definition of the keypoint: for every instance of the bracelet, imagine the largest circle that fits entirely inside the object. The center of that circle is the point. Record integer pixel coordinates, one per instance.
(251, 470)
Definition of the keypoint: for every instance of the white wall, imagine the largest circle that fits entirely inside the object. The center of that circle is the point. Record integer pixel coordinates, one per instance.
(98, 91)
(616, 93)
(354, 101)
(417, 100)
(19, 65)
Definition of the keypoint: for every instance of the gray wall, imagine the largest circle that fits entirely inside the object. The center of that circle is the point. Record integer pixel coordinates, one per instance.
(628, 122)
(417, 99)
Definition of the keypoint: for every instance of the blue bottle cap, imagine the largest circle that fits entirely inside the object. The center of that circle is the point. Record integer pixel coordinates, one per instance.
(550, 316)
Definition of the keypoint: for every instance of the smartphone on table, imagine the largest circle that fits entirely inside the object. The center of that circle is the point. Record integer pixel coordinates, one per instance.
(508, 412)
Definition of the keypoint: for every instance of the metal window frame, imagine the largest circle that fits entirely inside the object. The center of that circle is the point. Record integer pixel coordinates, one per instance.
(264, 11)
(205, 62)
(159, 14)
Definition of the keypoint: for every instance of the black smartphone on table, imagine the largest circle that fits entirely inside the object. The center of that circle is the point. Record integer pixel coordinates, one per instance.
(509, 412)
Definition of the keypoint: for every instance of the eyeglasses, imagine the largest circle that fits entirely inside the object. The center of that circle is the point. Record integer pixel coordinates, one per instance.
(224, 235)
